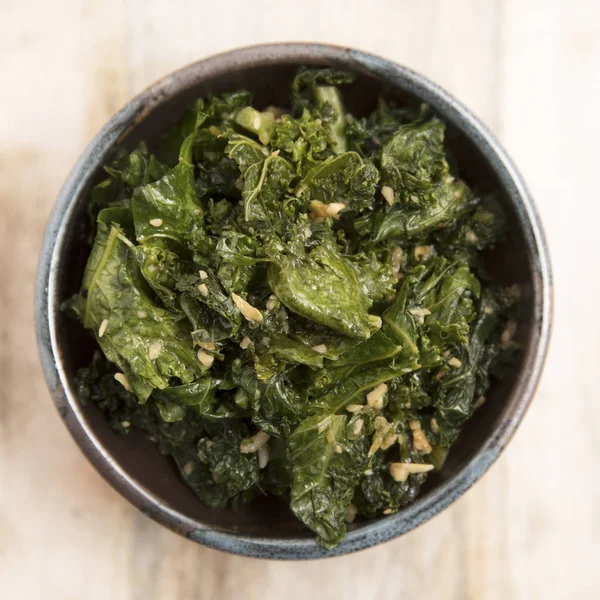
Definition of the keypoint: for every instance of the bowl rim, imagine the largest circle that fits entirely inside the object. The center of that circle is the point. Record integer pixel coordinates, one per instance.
(47, 302)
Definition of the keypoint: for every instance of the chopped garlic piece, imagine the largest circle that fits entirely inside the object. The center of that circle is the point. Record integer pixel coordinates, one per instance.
(319, 210)
(154, 349)
(479, 402)
(508, 333)
(122, 379)
(375, 322)
(401, 471)
(389, 440)
(271, 302)
(250, 312)
(419, 313)
(263, 456)
(420, 442)
(375, 396)
(103, 327)
(423, 252)
(207, 345)
(351, 512)
(254, 443)
(357, 427)
(455, 363)
(471, 236)
(206, 359)
(388, 193)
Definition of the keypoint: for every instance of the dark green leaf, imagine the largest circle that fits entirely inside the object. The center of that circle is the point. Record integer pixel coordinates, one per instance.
(149, 343)
(413, 161)
(325, 288)
(345, 178)
(326, 466)
(450, 200)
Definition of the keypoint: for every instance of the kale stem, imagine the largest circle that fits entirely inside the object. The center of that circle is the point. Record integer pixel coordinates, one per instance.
(329, 94)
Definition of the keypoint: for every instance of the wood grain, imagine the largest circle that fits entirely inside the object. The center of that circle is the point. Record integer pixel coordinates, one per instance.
(531, 527)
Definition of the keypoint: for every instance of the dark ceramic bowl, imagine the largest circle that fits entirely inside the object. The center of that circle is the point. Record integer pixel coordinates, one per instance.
(132, 464)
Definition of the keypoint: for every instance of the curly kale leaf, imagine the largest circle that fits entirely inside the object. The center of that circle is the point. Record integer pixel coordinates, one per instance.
(317, 89)
(397, 337)
(238, 249)
(264, 185)
(245, 152)
(326, 466)
(266, 180)
(345, 178)
(378, 492)
(413, 161)
(213, 110)
(136, 168)
(231, 472)
(375, 274)
(452, 310)
(168, 209)
(468, 238)
(176, 402)
(324, 287)
(311, 334)
(126, 172)
(449, 201)
(216, 172)
(455, 399)
(368, 135)
(307, 80)
(303, 141)
(277, 405)
(150, 344)
(209, 308)
(161, 268)
(293, 352)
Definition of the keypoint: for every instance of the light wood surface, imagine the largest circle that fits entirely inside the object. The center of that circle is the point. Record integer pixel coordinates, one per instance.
(531, 528)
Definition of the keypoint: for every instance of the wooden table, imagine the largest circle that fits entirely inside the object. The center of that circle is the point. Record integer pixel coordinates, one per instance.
(530, 69)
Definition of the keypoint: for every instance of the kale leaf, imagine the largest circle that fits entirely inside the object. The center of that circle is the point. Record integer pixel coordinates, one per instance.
(324, 287)
(344, 178)
(326, 466)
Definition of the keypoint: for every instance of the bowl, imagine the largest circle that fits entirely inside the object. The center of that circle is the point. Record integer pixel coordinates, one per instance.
(131, 464)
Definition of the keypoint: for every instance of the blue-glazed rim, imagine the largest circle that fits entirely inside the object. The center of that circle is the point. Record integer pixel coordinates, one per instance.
(47, 302)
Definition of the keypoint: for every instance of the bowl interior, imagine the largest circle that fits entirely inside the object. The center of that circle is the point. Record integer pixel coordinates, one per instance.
(510, 262)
